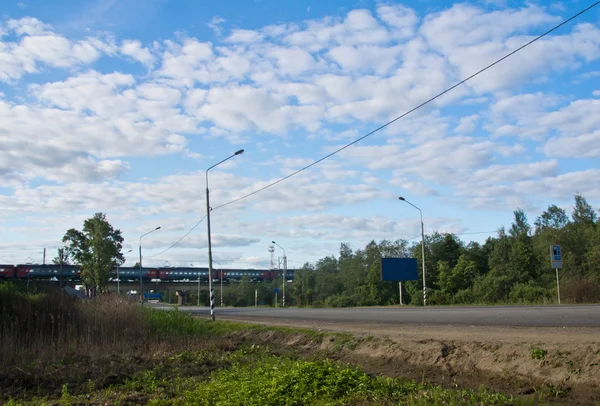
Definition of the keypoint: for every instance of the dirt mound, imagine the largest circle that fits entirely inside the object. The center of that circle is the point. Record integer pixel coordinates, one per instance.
(563, 364)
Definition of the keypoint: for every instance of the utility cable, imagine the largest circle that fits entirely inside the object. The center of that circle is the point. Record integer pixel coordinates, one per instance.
(178, 241)
(397, 118)
(411, 110)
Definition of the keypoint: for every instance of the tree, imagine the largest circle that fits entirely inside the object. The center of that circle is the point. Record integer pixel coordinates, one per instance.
(96, 249)
(461, 277)
(62, 257)
(583, 213)
(553, 218)
(520, 227)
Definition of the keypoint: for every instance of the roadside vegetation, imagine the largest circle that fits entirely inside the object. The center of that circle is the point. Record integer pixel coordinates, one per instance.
(59, 350)
(511, 268)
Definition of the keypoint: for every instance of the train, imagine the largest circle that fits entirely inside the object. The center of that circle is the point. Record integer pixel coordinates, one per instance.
(132, 274)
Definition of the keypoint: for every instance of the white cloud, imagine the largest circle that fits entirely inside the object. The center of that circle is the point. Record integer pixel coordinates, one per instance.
(289, 93)
(244, 36)
(578, 146)
(402, 20)
(467, 124)
(135, 50)
(39, 46)
(215, 24)
(28, 26)
(471, 39)
(496, 174)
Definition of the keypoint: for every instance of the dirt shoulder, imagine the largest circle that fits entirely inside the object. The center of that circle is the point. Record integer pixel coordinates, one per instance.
(562, 362)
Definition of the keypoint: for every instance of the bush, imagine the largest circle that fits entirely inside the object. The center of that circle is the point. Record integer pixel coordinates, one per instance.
(580, 291)
(339, 301)
(437, 297)
(529, 293)
(465, 296)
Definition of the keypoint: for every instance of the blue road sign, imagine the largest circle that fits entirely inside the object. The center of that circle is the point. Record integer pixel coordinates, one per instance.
(399, 269)
(556, 256)
(276, 290)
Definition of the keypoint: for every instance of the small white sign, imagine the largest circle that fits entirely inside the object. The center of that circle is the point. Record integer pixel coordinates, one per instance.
(556, 256)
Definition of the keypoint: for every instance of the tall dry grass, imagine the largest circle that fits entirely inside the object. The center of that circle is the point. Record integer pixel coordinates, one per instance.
(580, 291)
(46, 324)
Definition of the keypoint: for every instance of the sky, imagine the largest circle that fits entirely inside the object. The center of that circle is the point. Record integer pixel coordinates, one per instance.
(120, 106)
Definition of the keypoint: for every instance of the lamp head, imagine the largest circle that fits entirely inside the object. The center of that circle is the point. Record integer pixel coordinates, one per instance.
(157, 228)
(273, 242)
(240, 152)
(401, 198)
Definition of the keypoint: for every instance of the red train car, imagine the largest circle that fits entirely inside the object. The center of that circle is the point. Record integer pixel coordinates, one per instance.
(7, 271)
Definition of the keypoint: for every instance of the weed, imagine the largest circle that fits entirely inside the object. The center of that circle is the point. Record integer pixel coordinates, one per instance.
(538, 353)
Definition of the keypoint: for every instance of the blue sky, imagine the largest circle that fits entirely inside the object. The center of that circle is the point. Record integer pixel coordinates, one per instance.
(119, 106)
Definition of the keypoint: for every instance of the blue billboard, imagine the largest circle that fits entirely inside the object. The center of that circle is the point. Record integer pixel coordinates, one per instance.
(399, 269)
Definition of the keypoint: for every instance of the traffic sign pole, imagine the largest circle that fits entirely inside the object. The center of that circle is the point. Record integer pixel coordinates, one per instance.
(557, 286)
(556, 262)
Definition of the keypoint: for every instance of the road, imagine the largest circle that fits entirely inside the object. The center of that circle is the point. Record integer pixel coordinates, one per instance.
(514, 316)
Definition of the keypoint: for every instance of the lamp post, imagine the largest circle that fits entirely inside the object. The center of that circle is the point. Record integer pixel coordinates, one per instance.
(119, 279)
(422, 250)
(210, 287)
(141, 277)
(284, 273)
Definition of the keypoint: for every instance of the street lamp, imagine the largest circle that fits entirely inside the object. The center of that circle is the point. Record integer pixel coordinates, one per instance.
(422, 249)
(210, 287)
(141, 277)
(119, 279)
(284, 273)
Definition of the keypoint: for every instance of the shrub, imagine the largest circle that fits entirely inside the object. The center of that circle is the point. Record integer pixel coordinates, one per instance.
(580, 291)
(339, 301)
(529, 293)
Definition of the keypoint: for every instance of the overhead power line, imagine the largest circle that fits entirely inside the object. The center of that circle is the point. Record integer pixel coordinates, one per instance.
(400, 116)
(181, 239)
(411, 110)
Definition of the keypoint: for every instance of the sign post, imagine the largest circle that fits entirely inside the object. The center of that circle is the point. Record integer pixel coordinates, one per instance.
(276, 292)
(400, 290)
(556, 261)
(399, 269)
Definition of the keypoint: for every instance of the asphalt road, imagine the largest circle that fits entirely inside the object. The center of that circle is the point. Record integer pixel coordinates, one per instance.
(530, 316)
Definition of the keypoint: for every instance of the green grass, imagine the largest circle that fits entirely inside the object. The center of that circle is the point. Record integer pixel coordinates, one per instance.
(252, 375)
(175, 323)
(173, 358)
(538, 353)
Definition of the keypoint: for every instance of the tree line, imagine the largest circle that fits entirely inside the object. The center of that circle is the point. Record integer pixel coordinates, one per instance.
(512, 267)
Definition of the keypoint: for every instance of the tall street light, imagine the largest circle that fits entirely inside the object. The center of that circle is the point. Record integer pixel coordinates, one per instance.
(284, 273)
(119, 279)
(422, 250)
(141, 277)
(210, 287)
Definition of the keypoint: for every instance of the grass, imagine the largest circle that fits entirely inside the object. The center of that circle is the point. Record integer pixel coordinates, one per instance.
(58, 350)
(252, 375)
(538, 353)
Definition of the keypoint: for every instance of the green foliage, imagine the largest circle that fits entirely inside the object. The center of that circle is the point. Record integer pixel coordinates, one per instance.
(96, 249)
(538, 353)
(512, 267)
(280, 381)
(530, 293)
